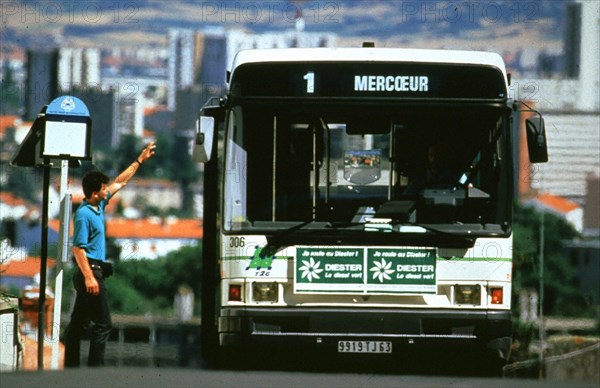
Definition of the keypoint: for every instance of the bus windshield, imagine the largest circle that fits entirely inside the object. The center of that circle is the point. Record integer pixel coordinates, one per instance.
(352, 165)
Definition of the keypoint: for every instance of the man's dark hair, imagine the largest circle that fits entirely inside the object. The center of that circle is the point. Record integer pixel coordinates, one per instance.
(93, 181)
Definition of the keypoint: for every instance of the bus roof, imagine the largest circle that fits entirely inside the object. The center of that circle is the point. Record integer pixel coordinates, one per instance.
(369, 54)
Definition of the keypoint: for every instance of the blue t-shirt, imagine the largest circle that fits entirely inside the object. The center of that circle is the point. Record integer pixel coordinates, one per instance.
(89, 230)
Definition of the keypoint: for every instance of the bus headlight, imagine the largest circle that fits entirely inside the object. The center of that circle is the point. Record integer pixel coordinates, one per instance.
(265, 292)
(467, 294)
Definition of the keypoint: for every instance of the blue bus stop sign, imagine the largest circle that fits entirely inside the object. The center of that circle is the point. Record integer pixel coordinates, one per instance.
(63, 130)
(68, 106)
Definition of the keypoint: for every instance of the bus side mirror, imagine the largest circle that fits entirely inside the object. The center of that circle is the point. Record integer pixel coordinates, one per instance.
(536, 140)
(203, 139)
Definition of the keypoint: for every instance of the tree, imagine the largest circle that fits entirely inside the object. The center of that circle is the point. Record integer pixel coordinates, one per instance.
(24, 182)
(128, 150)
(561, 295)
(185, 173)
(154, 283)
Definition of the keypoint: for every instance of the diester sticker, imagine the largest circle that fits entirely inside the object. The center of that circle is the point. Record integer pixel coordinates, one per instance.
(329, 268)
(405, 269)
(365, 270)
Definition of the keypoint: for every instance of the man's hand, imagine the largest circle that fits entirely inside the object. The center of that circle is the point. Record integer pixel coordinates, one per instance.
(91, 285)
(147, 152)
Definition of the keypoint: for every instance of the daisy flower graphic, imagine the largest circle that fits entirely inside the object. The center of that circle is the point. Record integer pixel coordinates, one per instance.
(310, 269)
(382, 270)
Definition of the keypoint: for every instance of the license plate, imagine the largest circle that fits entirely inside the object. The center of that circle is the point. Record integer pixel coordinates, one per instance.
(364, 347)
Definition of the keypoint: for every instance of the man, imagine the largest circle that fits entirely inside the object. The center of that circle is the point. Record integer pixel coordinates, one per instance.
(435, 175)
(89, 249)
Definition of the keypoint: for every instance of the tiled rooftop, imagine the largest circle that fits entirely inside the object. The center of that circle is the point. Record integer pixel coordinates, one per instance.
(28, 267)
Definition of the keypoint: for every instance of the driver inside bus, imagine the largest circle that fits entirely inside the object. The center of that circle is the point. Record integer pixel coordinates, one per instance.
(435, 175)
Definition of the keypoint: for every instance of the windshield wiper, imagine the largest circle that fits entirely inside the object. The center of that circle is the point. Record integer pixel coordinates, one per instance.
(290, 226)
(469, 231)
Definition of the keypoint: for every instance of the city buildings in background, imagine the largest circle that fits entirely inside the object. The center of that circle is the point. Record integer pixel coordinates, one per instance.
(199, 60)
(122, 87)
(571, 108)
(130, 90)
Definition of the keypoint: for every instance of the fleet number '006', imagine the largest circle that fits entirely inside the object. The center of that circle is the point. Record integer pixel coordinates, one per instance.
(364, 347)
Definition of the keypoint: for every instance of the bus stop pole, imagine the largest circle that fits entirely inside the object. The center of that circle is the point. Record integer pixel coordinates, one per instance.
(63, 249)
(43, 261)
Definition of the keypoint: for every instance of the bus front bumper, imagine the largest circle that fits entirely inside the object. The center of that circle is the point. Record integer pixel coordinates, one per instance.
(323, 329)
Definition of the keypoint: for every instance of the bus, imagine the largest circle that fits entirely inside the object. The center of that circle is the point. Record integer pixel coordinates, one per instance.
(359, 201)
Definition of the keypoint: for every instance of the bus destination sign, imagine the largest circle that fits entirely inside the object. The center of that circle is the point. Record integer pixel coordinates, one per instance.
(390, 83)
(349, 79)
(365, 270)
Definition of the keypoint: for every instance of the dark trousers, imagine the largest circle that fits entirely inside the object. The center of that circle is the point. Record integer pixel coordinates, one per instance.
(88, 309)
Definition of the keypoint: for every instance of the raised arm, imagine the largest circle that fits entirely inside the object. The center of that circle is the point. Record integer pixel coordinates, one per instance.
(124, 177)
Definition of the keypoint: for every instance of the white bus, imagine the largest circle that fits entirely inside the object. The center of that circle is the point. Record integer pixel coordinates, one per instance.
(360, 200)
